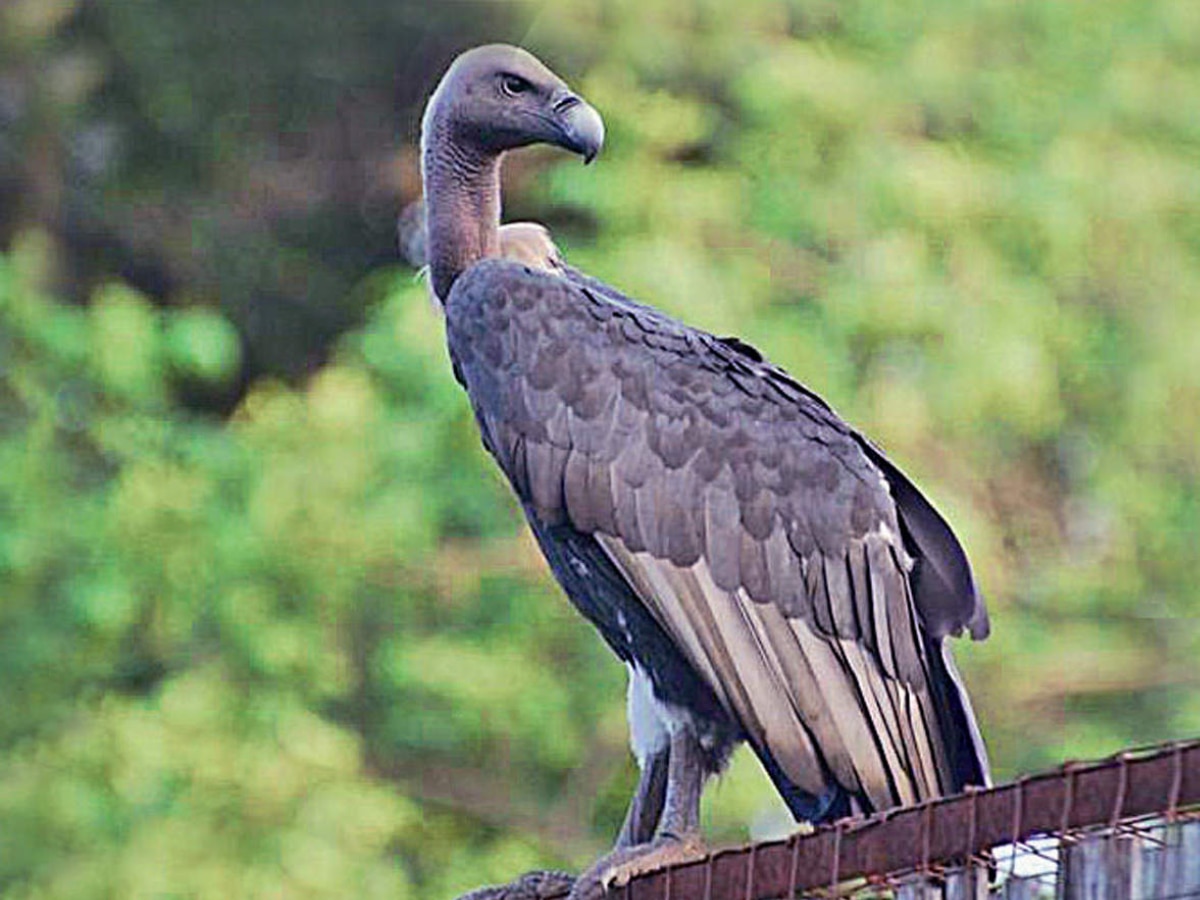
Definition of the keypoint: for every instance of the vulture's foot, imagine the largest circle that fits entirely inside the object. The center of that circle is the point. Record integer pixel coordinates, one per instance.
(625, 863)
(530, 886)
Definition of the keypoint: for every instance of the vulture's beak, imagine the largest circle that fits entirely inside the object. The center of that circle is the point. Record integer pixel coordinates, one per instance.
(580, 125)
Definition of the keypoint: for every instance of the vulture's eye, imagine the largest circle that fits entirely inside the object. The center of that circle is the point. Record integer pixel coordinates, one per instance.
(514, 85)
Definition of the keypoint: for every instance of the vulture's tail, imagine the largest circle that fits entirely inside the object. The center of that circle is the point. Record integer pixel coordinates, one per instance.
(836, 803)
(964, 744)
(964, 750)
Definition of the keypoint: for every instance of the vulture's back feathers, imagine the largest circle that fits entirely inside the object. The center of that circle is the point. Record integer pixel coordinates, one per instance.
(804, 579)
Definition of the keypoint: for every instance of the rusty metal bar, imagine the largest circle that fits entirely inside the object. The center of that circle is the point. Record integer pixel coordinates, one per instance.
(948, 831)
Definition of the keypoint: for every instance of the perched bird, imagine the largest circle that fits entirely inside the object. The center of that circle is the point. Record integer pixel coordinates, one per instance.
(763, 570)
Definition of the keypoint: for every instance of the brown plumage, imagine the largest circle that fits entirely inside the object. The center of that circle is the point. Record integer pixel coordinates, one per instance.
(762, 569)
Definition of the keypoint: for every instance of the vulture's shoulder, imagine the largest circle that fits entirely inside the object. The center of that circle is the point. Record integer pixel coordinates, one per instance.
(613, 416)
(571, 316)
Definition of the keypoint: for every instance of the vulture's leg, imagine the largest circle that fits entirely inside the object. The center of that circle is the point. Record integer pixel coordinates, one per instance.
(640, 824)
(677, 838)
(646, 808)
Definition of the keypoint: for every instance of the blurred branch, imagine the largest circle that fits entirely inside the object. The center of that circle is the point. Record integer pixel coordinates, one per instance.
(488, 797)
(531, 886)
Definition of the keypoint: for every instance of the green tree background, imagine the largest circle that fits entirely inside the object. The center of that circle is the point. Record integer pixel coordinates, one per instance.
(269, 621)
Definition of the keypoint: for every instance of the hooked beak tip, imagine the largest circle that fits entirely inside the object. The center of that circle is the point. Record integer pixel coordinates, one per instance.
(582, 127)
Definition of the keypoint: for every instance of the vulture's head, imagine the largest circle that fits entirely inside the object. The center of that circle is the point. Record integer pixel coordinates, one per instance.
(497, 97)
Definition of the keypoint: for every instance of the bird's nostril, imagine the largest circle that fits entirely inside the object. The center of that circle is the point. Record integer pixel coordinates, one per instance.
(567, 102)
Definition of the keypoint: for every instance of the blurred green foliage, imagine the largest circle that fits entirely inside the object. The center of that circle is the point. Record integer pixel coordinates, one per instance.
(219, 640)
(309, 650)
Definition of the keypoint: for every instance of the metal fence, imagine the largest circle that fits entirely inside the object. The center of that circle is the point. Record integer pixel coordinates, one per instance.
(1125, 828)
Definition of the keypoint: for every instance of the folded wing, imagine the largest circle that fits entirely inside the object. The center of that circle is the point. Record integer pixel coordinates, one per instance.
(754, 524)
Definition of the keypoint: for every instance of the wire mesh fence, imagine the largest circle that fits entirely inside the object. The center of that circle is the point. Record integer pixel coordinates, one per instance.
(1125, 828)
(1150, 860)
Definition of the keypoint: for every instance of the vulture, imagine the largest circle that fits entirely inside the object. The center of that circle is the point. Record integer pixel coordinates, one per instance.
(763, 570)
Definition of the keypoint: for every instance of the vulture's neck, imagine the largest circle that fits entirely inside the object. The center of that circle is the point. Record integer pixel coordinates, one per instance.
(462, 208)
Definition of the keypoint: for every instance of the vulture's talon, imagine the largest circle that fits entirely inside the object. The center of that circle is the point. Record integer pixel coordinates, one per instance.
(624, 864)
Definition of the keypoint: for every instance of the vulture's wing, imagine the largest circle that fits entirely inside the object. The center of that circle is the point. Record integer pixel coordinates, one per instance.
(945, 590)
(760, 531)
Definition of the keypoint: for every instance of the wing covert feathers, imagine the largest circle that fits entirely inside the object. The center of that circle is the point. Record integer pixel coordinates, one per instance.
(746, 516)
